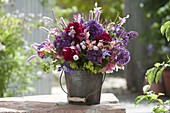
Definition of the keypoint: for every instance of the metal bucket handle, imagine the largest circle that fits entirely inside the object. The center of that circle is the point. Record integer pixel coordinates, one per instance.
(78, 99)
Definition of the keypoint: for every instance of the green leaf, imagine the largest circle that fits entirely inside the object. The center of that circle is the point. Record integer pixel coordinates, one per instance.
(161, 94)
(160, 101)
(139, 99)
(152, 98)
(167, 33)
(167, 102)
(164, 27)
(146, 88)
(157, 64)
(159, 74)
(151, 74)
(159, 110)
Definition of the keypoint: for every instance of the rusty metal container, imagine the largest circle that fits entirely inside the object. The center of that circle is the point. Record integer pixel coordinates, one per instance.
(84, 88)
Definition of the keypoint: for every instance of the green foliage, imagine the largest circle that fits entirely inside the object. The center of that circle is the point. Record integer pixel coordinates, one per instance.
(154, 75)
(150, 96)
(165, 30)
(46, 66)
(90, 66)
(66, 7)
(13, 67)
(150, 74)
(156, 15)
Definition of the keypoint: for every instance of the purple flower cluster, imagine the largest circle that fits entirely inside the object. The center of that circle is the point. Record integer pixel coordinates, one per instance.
(94, 56)
(60, 43)
(82, 43)
(95, 29)
(126, 36)
(123, 56)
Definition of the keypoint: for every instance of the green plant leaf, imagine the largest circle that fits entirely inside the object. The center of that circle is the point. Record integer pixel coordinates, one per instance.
(159, 110)
(167, 102)
(167, 33)
(159, 74)
(161, 94)
(139, 99)
(151, 74)
(152, 98)
(160, 101)
(164, 27)
(157, 64)
(146, 88)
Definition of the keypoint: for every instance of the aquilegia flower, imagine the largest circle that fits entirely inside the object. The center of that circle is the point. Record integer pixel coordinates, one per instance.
(87, 44)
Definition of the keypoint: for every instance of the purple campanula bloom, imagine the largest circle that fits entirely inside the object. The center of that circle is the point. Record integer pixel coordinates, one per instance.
(95, 29)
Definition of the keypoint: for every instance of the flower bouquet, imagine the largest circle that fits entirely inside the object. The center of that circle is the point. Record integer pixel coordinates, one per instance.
(89, 45)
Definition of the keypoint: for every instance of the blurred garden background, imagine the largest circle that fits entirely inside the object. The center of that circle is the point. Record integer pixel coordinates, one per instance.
(19, 28)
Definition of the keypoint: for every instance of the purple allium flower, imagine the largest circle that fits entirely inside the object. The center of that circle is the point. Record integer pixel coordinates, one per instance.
(60, 43)
(123, 56)
(132, 34)
(94, 56)
(95, 29)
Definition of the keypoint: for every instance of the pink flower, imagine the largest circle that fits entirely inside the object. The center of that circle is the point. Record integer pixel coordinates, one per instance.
(44, 48)
(109, 68)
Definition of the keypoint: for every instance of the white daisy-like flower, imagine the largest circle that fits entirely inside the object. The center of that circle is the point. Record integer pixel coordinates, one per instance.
(75, 57)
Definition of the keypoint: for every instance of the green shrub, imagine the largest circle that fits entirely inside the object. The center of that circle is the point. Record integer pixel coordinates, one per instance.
(13, 54)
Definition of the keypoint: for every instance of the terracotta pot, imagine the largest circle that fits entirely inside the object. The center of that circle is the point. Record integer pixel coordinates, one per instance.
(166, 81)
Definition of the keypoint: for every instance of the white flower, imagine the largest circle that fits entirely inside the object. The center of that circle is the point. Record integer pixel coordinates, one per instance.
(82, 43)
(83, 47)
(78, 47)
(2, 47)
(95, 48)
(75, 57)
(123, 20)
